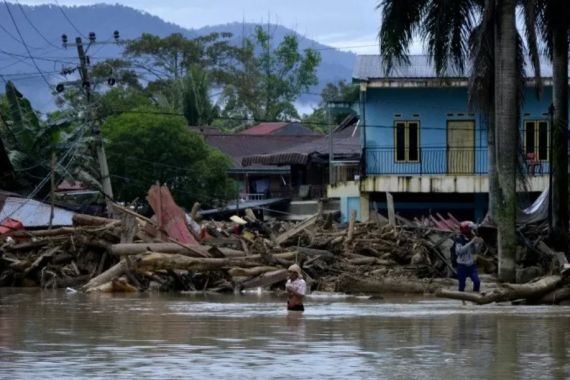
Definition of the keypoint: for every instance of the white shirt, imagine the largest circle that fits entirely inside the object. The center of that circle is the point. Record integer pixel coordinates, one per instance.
(298, 286)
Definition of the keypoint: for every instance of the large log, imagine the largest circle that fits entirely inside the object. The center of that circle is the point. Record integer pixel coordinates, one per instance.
(110, 274)
(266, 279)
(158, 261)
(351, 284)
(507, 292)
(556, 296)
(250, 272)
(91, 220)
(138, 248)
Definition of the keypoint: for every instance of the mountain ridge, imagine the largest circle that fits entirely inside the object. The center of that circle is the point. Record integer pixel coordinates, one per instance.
(52, 21)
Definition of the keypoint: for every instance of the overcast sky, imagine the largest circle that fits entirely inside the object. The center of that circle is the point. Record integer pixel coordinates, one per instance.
(351, 25)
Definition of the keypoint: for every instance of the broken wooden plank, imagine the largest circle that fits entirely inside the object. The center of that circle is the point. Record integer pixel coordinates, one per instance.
(295, 230)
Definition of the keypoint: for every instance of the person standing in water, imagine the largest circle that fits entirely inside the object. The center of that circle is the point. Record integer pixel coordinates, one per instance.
(466, 246)
(296, 288)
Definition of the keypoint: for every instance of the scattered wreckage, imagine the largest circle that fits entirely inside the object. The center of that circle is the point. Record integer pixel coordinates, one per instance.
(172, 251)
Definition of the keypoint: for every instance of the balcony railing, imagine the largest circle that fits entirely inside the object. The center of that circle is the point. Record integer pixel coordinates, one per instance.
(436, 161)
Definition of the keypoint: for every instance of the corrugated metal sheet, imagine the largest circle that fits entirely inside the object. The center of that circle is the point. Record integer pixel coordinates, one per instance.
(276, 159)
(239, 146)
(34, 214)
(370, 67)
(346, 141)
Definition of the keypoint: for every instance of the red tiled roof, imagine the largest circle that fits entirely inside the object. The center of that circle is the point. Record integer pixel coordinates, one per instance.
(264, 128)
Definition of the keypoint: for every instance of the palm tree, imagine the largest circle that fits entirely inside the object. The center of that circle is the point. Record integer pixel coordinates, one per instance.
(506, 118)
(553, 23)
(448, 27)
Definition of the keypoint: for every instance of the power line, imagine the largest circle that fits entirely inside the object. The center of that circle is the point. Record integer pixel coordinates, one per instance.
(34, 27)
(68, 19)
(47, 59)
(24, 42)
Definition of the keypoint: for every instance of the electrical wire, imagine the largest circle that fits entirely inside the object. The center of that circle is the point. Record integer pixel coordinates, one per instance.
(24, 43)
(12, 54)
(68, 19)
(42, 183)
(34, 27)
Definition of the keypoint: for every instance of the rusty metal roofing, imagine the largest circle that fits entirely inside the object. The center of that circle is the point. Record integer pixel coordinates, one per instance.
(278, 128)
(33, 214)
(264, 128)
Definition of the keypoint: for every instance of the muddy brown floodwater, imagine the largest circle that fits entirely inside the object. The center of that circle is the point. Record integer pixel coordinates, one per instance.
(54, 334)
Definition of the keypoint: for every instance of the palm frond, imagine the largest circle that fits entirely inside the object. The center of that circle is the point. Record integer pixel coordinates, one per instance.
(400, 21)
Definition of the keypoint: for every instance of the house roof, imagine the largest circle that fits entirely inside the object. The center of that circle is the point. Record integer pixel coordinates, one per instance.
(33, 214)
(238, 146)
(371, 68)
(279, 128)
(346, 143)
(264, 128)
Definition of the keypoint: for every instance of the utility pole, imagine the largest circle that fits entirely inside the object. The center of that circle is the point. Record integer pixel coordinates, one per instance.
(90, 119)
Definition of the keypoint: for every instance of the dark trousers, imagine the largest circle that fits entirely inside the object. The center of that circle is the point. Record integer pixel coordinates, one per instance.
(464, 271)
(299, 307)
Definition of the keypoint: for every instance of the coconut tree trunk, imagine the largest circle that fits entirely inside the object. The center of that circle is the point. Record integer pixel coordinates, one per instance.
(559, 135)
(506, 111)
(492, 153)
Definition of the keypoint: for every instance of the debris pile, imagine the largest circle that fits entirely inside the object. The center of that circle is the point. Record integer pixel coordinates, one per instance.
(172, 251)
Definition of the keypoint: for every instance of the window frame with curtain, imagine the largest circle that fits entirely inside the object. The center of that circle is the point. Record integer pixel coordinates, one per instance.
(538, 140)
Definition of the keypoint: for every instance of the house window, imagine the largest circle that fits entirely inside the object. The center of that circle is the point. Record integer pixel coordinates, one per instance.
(536, 138)
(407, 141)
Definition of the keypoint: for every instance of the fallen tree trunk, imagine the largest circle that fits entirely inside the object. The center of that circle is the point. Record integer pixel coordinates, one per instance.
(507, 292)
(138, 248)
(158, 261)
(556, 296)
(250, 272)
(265, 279)
(91, 220)
(107, 276)
(350, 284)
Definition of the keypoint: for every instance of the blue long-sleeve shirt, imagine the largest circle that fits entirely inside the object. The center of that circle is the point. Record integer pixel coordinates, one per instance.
(465, 250)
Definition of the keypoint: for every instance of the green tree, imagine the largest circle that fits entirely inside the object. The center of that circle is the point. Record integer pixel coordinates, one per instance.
(196, 104)
(165, 58)
(143, 147)
(341, 91)
(266, 81)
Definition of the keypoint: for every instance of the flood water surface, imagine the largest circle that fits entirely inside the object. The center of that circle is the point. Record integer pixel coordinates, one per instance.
(53, 334)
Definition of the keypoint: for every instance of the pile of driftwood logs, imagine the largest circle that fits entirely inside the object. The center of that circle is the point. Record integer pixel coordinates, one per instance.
(133, 253)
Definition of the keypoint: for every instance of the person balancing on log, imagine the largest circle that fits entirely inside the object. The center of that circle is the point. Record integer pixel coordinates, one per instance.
(295, 287)
(466, 245)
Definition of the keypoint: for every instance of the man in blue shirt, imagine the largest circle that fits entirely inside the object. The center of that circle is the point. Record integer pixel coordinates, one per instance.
(466, 246)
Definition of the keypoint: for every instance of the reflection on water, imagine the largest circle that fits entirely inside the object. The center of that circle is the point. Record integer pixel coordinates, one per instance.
(57, 335)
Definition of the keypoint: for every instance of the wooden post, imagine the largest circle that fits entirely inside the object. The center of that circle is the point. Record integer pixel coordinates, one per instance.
(391, 211)
(52, 195)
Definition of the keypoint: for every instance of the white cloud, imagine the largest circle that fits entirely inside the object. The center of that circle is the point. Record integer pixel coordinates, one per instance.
(333, 22)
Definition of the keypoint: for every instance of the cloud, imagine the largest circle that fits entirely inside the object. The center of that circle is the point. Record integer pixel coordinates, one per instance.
(333, 22)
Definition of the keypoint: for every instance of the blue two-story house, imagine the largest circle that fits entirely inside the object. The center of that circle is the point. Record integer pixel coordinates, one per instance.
(422, 143)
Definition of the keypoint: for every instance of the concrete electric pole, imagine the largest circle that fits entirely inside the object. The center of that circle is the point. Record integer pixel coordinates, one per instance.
(90, 118)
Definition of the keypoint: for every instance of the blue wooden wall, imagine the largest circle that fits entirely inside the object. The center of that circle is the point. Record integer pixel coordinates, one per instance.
(433, 107)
